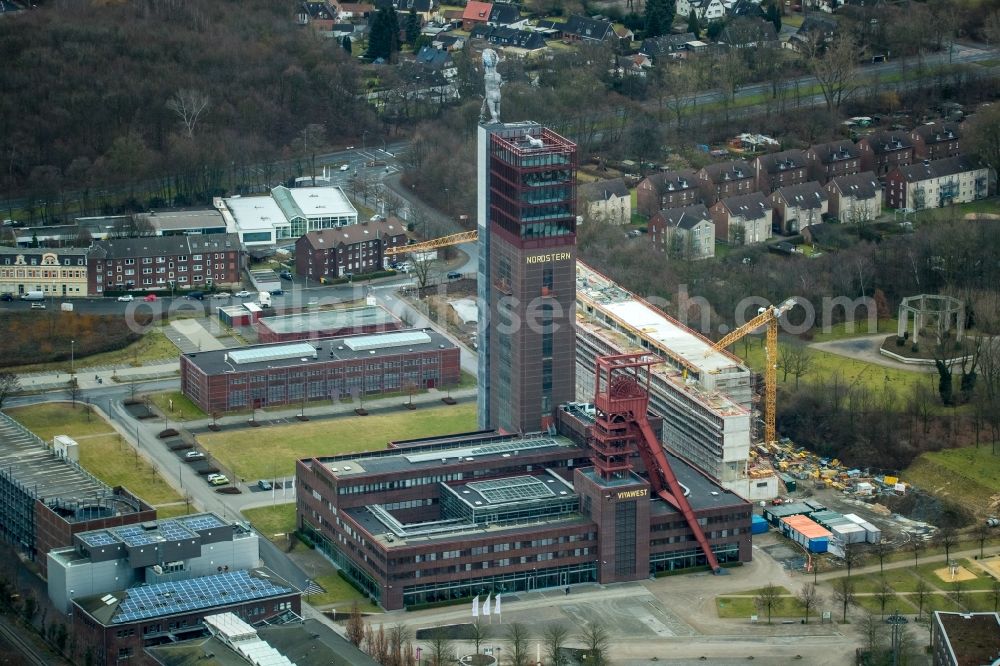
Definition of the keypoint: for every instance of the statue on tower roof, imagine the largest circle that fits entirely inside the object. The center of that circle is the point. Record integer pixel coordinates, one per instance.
(493, 82)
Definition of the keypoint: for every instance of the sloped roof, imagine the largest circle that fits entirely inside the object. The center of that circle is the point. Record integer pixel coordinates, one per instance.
(836, 151)
(731, 170)
(782, 161)
(936, 169)
(937, 132)
(806, 195)
(588, 28)
(355, 233)
(685, 218)
(505, 13)
(745, 31)
(150, 246)
(603, 190)
(859, 186)
(748, 206)
(434, 58)
(887, 142)
(654, 46)
(477, 11)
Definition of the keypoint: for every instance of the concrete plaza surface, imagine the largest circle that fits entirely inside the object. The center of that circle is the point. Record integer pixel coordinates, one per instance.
(669, 620)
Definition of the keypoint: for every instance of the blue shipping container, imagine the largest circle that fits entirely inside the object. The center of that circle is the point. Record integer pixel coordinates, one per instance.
(758, 525)
(819, 545)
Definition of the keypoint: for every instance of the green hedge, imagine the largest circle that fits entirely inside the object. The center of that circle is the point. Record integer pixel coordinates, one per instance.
(362, 276)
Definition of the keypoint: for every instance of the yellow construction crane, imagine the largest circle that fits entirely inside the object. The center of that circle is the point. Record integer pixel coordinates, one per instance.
(765, 317)
(444, 241)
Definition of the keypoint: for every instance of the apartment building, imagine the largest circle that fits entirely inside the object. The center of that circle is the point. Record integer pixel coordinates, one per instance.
(726, 179)
(834, 159)
(669, 189)
(798, 206)
(56, 272)
(743, 220)
(883, 151)
(687, 233)
(354, 249)
(936, 141)
(938, 183)
(776, 170)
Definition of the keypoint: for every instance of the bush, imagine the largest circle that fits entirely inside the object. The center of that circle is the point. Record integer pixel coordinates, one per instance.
(915, 348)
(29, 338)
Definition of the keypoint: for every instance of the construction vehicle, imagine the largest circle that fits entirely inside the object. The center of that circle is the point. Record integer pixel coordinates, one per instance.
(765, 317)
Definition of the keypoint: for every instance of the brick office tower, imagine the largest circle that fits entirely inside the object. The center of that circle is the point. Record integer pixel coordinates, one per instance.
(527, 218)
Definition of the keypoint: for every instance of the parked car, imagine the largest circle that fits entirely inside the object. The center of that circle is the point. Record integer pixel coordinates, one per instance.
(7, 296)
(345, 167)
(454, 275)
(194, 455)
(196, 295)
(222, 294)
(149, 298)
(277, 292)
(243, 294)
(217, 479)
(264, 484)
(127, 298)
(285, 275)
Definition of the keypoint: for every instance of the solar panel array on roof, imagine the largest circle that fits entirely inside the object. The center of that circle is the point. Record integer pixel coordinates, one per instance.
(203, 522)
(134, 535)
(179, 596)
(272, 353)
(488, 449)
(174, 531)
(98, 539)
(384, 340)
(511, 489)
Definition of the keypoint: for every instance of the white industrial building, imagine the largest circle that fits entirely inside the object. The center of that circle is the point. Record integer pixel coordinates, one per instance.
(117, 558)
(286, 214)
(703, 395)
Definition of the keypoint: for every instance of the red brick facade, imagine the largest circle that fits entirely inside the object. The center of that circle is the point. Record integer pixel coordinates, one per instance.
(355, 249)
(165, 262)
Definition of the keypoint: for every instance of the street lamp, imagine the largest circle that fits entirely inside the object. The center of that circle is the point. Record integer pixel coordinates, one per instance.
(72, 356)
(364, 134)
(896, 622)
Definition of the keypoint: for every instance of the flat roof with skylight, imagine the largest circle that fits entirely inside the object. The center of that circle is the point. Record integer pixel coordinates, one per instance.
(292, 354)
(330, 320)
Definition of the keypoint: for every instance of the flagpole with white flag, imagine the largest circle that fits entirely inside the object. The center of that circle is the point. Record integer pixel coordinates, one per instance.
(475, 606)
(496, 608)
(486, 607)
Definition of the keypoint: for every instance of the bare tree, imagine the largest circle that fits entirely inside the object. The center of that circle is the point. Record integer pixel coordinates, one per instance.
(852, 556)
(517, 636)
(136, 225)
(843, 593)
(874, 632)
(883, 593)
(480, 633)
(921, 590)
(189, 105)
(555, 636)
(982, 533)
(995, 594)
(767, 599)
(442, 649)
(794, 359)
(835, 66)
(422, 265)
(947, 538)
(399, 634)
(73, 388)
(355, 625)
(596, 642)
(881, 550)
(956, 592)
(9, 384)
(916, 547)
(808, 597)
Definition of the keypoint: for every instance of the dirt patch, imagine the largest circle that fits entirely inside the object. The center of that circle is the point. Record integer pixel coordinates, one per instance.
(992, 567)
(927, 508)
(959, 574)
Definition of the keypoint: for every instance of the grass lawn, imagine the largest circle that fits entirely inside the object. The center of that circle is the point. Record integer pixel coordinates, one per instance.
(991, 205)
(872, 604)
(825, 364)
(940, 602)
(783, 591)
(272, 520)
(102, 452)
(59, 418)
(901, 580)
(272, 451)
(154, 345)
(183, 408)
(174, 510)
(856, 329)
(744, 607)
(966, 475)
(926, 571)
(980, 602)
(338, 591)
(467, 380)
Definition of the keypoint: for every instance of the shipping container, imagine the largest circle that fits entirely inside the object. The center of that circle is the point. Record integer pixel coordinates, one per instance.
(849, 532)
(806, 532)
(758, 525)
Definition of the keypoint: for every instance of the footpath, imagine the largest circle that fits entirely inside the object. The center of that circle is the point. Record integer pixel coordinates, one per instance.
(89, 378)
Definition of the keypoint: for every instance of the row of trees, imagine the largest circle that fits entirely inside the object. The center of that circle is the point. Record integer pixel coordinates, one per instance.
(394, 646)
(193, 100)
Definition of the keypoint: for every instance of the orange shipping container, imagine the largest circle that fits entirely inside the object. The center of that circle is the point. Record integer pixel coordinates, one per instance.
(807, 527)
